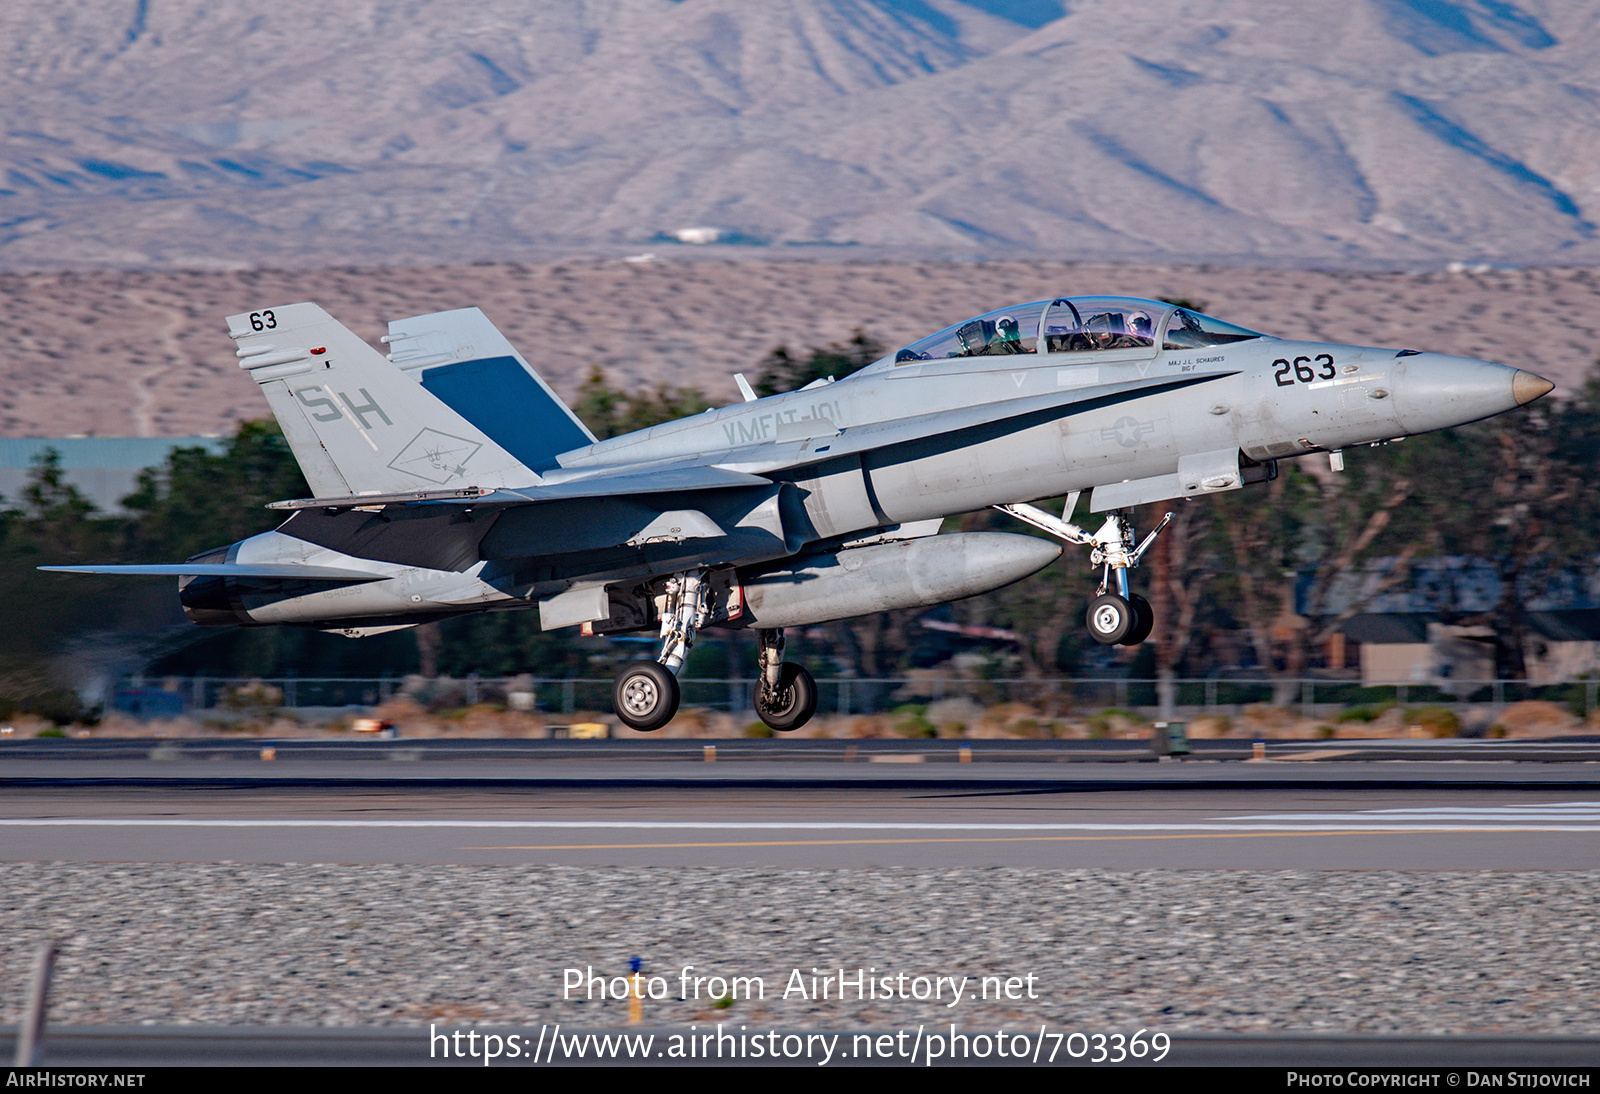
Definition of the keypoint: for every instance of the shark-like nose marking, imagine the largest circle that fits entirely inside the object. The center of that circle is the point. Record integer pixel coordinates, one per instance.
(1526, 387)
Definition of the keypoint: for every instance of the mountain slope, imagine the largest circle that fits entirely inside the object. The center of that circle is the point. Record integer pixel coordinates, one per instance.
(1374, 132)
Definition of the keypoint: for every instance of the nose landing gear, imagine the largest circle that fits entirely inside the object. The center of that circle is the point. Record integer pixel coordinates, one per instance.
(1116, 616)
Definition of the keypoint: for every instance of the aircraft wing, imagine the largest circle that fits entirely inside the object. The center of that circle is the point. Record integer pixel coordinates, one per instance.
(630, 479)
(190, 569)
(640, 479)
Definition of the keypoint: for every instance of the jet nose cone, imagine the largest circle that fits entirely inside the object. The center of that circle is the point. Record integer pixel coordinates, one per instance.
(1435, 391)
(1526, 387)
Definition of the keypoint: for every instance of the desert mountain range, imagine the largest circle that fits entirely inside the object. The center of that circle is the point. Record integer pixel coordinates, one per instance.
(241, 134)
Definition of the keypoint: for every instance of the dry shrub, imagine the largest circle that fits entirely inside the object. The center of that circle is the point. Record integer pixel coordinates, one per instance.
(955, 717)
(1208, 726)
(1435, 721)
(1537, 718)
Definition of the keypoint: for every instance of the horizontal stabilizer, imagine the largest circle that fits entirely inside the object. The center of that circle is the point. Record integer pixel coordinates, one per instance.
(282, 571)
(366, 632)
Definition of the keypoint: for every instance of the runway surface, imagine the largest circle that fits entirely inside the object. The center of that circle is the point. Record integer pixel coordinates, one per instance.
(1392, 888)
(410, 767)
(1381, 888)
(1164, 828)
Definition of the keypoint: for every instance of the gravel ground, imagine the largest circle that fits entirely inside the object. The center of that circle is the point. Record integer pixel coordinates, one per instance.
(1374, 952)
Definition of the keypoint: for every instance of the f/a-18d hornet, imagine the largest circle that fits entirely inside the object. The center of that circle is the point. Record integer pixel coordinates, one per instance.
(450, 478)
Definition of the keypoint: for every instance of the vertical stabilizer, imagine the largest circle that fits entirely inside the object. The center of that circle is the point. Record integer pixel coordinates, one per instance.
(356, 423)
(463, 359)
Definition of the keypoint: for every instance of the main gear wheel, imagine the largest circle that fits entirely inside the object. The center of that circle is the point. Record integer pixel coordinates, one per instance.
(793, 702)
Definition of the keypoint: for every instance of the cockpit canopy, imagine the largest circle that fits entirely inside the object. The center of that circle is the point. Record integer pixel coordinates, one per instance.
(1082, 324)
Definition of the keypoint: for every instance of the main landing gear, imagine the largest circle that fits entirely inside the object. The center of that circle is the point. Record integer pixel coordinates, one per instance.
(1116, 616)
(786, 694)
(645, 695)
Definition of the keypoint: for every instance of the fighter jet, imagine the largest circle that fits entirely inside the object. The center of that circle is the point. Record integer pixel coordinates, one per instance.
(449, 477)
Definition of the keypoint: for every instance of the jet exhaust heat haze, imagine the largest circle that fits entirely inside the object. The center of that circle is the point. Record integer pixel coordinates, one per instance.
(449, 477)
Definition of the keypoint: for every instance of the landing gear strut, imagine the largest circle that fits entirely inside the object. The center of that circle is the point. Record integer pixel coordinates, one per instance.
(645, 695)
(786, 694)
(1116, 615)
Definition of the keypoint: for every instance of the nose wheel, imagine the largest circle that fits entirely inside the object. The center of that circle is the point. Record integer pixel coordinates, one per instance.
(1144, 625)
(1110, 619)
(1117, 621)
(1117, 616)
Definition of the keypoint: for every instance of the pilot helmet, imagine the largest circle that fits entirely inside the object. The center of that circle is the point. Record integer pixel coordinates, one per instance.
(1006, 325)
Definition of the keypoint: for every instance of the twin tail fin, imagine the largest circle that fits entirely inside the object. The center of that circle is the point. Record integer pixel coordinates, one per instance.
(358, 424)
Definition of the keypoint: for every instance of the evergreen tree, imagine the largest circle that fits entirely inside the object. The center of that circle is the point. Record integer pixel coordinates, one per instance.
(783, 371)
(199, 500)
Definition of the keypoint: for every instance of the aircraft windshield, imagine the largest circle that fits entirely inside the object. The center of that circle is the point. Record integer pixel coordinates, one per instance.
(998, 334)
(1092, 323)
(1080, 324)
(1191, 330)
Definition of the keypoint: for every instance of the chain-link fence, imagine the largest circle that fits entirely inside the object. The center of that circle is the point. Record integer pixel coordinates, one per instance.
(845, 695)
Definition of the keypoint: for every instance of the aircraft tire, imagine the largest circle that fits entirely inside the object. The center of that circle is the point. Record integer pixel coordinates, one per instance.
(1110, 619)
(1144, 621)
(795, 702)
(645, 695)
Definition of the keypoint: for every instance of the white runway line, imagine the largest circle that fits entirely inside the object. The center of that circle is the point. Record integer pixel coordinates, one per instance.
(1543, 812)
(1309, 822)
